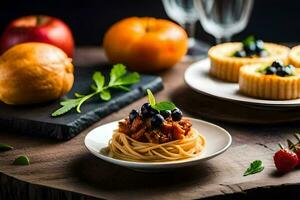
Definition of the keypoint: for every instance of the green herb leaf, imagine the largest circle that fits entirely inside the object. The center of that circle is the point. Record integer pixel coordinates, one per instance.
(119, 79)
(117, 72)
(93, 87)
(248, 40)
(255, 167)
(262, 69)
(22, 160)
(99, 80)
(151, 98)
(128, 79)
(105, 95)
(122, 88)
(66, 106)
(78, 95)
(165, 105)
(68, 101)
(83, 99)
(5, 147)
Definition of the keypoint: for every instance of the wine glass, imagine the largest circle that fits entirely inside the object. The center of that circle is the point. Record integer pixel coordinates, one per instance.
(184, 13)
(223, 18)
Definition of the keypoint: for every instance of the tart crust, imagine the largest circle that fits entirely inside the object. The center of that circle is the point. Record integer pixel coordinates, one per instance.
(226, 67)
(255, 84)
(294, 56)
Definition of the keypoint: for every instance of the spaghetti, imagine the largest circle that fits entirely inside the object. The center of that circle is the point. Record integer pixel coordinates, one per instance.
(123, 147)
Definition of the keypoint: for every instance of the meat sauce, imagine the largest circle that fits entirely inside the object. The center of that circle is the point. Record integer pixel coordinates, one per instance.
(142, 131)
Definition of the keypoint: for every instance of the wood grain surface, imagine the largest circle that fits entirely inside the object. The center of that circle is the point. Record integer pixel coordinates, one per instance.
(66, 170)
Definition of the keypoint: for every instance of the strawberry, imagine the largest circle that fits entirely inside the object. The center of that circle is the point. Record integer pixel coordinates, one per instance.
(285, 160)
(297, 152)
(295, 147)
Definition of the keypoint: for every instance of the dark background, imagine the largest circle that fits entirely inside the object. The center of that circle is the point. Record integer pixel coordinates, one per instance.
(271, 20)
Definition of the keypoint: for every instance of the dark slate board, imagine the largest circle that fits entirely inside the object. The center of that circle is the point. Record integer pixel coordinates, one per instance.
(36, 120)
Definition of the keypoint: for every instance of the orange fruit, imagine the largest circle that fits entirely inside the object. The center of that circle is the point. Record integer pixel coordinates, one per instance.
(145, 44)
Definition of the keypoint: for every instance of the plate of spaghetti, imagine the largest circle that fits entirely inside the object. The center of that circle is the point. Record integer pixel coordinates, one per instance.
(157, 137)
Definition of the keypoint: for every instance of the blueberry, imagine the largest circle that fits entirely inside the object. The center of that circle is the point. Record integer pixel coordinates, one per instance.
(250, 48)
(153, 112)
(240, 54)
(250, 53)
(176, 114)
(157, 120)
(285, 70)
(132, 115)
(271, 70)
(165, 113)
(281, 72)
(145, 110)
(259, 45)
(290, 69)
(263, 53)
(277, 64)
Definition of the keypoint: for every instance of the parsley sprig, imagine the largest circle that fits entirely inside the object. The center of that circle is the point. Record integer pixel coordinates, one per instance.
(119, 79)
(163, 105)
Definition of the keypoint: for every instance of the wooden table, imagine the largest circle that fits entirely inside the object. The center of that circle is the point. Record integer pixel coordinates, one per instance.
(66, 170)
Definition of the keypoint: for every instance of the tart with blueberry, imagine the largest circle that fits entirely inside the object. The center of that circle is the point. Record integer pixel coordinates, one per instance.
(294, 56)
(227, 58)
(276, 81)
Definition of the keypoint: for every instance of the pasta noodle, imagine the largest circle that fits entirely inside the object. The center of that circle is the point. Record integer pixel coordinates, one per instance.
(123, 147)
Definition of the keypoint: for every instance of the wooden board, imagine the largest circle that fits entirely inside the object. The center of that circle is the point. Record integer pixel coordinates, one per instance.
(66, 170)
(36, 120)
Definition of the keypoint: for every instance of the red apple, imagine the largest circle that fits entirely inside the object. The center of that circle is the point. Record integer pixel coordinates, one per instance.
(38, 28)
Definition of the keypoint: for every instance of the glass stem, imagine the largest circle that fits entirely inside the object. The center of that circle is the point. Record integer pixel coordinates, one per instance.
(223, 39)
(189, 27)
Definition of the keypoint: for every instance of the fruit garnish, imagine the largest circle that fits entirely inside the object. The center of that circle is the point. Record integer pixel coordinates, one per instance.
(285, 160)
(165, 113)
(147, 110)
(157, 120)
(255, 167)
(159, 111)
(279, 69)
(119, 79)
(155, 113)
(295, 147)
(132, 115)
(176, 114)
(251, 47)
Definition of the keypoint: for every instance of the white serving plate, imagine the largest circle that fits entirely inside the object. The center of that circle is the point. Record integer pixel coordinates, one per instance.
(218, 140)
(197, 77)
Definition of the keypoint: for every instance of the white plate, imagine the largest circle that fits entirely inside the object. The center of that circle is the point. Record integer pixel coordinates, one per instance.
(218, 140)
(197, 77)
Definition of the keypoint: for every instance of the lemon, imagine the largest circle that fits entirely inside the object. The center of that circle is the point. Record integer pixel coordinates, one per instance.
(34, 73)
